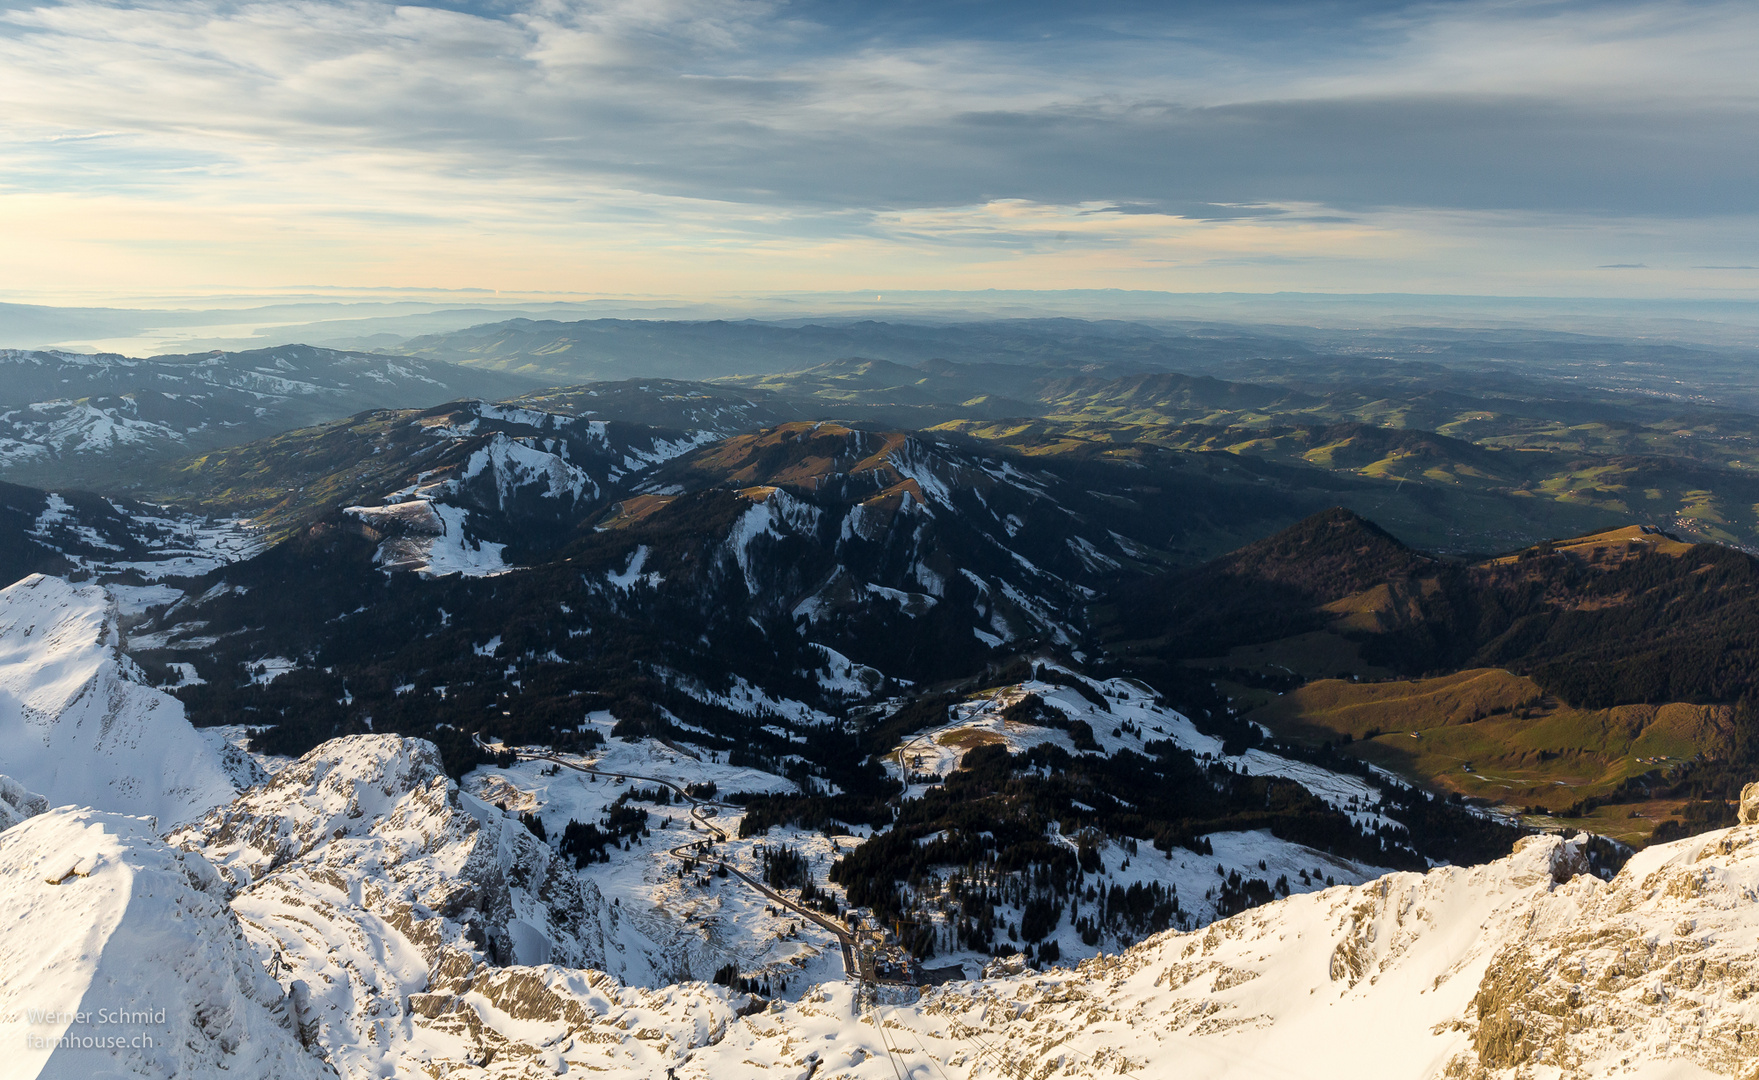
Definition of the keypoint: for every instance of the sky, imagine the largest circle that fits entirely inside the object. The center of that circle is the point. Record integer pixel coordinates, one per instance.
(699, 147)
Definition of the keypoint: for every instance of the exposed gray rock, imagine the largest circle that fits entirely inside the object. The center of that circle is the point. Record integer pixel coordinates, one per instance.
(1749, 812)
(18, 802)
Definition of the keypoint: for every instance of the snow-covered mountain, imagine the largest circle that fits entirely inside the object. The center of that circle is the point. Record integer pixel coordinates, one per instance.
(132, 546)
(489, 477)
(379, 900)
(78, 722)
(831, 521)
(121, 956)
(906, 557)
(73, 418)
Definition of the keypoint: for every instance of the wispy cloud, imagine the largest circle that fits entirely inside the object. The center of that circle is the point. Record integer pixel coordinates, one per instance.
(670, 132)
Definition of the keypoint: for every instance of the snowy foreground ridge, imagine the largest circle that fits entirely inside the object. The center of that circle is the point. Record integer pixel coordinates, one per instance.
(104, 919)
(360, 916)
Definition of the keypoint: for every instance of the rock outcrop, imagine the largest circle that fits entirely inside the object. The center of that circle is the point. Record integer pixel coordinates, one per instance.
(1749, 810)
(18, 802)
(374, 883)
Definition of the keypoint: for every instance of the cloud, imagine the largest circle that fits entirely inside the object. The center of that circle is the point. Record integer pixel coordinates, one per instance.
(1195, 211)
(749, 123)
(736, 101)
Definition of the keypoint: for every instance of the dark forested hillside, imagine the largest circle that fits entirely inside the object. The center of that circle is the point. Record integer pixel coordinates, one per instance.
(821, 563)
(1267, 590)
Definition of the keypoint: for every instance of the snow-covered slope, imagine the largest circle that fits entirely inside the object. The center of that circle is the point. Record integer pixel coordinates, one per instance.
(78, 722)
(416, 930)
(1521, 967)
(119, 956)
(1347, 982)
(849, 524)
(487, 477)
(663, 925)
(1525, 967)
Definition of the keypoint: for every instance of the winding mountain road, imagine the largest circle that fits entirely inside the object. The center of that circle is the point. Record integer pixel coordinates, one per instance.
(701, 810)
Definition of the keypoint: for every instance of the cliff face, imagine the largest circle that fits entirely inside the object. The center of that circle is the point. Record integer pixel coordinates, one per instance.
(365, 877)
(1660, 964)
(18, 802)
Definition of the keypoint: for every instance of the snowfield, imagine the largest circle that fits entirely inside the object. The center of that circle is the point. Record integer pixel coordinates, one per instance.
(430, 538)
(78, 722)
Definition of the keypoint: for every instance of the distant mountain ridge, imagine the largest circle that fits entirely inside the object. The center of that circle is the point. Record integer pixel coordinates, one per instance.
(619, 348)
(70, 419)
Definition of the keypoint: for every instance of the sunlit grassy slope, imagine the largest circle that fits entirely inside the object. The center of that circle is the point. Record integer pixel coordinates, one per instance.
(1489, 495)
(1490, 734)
